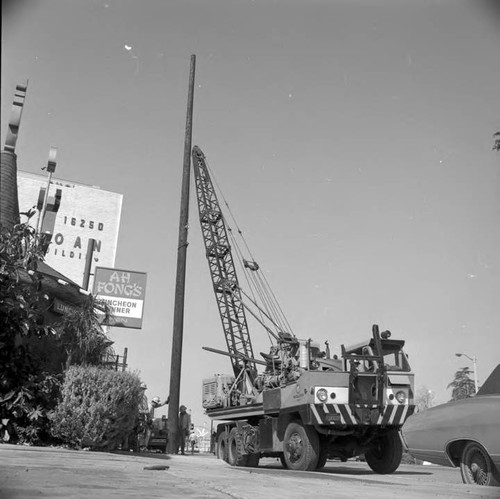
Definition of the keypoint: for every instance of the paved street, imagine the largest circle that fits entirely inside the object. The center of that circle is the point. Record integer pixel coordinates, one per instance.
(29, 472)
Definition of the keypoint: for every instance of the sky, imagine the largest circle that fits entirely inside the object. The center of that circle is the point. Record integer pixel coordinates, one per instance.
(351, 139)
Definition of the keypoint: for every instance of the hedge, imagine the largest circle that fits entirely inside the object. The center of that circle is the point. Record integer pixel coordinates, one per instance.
(98, 408)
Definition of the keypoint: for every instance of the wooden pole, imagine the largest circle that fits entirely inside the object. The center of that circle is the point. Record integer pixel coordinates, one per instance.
(175, 366)
(88, 264)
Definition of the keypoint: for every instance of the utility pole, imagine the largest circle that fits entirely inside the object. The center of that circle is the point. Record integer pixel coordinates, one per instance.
(88, 263)
(178, 329)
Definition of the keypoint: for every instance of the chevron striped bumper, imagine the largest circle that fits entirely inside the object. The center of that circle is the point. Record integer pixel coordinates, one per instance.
(356, 415)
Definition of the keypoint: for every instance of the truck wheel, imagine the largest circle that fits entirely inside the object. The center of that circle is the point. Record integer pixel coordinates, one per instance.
(476, 466)
(385, 455)
(221, 446)
(235, 449)
(283, 461)
(301, 447)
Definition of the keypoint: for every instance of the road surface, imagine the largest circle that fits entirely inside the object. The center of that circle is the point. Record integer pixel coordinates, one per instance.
(29, 472)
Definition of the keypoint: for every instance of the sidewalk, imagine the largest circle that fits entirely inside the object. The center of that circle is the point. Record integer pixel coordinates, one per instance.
(29, 472)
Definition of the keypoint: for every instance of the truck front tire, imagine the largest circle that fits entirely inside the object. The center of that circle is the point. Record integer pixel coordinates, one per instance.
(385, 455)
(301, 447)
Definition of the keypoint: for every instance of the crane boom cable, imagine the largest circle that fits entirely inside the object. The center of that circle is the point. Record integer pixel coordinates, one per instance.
(271, 302)
(268, 298)
(267, 316)
(289, 327)
(248, 275)
(256, 287)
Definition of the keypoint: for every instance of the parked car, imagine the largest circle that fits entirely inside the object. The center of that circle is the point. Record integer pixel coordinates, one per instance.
(464, 433)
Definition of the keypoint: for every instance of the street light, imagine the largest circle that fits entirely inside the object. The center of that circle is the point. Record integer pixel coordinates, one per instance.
(474, 360)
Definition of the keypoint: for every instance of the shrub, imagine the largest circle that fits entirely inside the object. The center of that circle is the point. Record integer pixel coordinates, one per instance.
(26, 410)
(407, 458)
(98, 408)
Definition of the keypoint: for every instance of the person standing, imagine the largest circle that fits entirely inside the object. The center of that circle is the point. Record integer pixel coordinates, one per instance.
(184, 427)
(192, 440)
(146, 416)
(135, 439)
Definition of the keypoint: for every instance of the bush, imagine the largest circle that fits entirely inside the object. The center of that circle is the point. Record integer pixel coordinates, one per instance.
(25, 411)
(407, 458)
(98, 408)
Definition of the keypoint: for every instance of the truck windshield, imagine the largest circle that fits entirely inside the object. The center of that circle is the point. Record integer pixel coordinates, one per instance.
(395, 359)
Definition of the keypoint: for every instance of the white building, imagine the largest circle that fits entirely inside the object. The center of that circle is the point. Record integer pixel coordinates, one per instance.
(84, 212)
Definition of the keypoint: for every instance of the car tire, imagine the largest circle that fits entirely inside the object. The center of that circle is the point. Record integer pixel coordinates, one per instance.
(477, 467)
(301, 447)
(385, 455)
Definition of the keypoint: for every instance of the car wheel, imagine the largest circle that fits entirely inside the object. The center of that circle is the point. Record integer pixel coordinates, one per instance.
(385, 455)
(476, 466)
(301, 447)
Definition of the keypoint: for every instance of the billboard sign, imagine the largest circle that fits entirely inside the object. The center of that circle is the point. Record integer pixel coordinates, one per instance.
(124, 293)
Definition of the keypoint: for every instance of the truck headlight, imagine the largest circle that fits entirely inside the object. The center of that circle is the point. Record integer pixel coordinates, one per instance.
(322, 395)
(401, 397)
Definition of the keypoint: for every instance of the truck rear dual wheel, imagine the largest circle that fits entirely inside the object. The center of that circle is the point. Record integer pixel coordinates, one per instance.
(222, 446)
(235, 451)
(385, 455)
(301, 447)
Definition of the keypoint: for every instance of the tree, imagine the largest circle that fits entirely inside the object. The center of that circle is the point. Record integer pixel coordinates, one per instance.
(81, 335)
(496, 145)
(424, 399)
(462, 386)
(24, 389)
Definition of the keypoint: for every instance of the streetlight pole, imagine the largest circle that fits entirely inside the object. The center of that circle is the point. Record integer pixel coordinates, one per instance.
(474, 362)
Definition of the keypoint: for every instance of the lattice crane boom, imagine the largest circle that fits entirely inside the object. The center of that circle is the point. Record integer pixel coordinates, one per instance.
(222, 269)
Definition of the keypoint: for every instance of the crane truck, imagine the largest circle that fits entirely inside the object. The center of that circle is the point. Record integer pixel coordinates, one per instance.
(297, 403)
